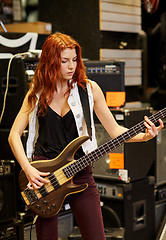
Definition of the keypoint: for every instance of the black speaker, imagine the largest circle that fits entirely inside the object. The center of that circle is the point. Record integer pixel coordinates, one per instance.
(109, 75)
(5, 154)
(7, 190)
(131, 205)
(5, 150)
(137, 158)
(13, 230)
(161, 80)
(16, 89)
(160, 164)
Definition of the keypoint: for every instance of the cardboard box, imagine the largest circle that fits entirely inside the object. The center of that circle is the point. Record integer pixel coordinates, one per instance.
(37, 27)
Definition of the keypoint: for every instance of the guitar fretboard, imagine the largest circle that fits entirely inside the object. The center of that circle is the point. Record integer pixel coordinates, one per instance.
(109, 146)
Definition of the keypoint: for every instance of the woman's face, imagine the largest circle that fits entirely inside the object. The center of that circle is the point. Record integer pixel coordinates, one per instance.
(68, 63)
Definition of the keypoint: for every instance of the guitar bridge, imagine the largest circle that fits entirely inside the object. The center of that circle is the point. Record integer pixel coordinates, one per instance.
(30, 195)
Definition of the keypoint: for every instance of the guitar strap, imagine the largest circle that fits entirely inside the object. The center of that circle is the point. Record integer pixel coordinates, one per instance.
(86, 108)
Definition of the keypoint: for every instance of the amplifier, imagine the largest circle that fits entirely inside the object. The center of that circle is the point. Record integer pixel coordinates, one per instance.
(160, 167)
(12, 230)
(129, 205)
(21, 73)
(7, 191)
(130, 161)
(5, 154)
(110, 77)
(160, 193)
(160, 218)
(110, 234)
(161, 235)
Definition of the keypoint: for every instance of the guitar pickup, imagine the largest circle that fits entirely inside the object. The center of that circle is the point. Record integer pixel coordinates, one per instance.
(53, 180)
(43, 191)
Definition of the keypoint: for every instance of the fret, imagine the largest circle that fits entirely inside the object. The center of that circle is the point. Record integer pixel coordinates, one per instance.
(128, 134)
(162, 114)
(134, 130)
(71, 171)
(153, 117)
(79, 164)
(77, 167)
(102, 150)
(94, 154)
(118, 141)
(113, 144)
(121, 139)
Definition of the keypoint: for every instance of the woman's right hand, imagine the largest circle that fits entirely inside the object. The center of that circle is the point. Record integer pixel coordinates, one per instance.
(35, 177)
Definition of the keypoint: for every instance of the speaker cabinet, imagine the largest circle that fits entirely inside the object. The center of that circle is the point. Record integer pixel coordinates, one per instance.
(16, 89)
(160, 167)
(129, 205)
(138, 158)
(7, 191)
(13, 230)
(5, 154)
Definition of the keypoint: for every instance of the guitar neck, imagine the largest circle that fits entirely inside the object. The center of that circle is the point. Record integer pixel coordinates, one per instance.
(109, 146)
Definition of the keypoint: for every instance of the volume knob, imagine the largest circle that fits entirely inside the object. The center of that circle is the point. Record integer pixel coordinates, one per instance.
(45, 202)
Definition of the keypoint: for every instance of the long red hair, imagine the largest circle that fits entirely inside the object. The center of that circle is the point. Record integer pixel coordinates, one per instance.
(44, 81)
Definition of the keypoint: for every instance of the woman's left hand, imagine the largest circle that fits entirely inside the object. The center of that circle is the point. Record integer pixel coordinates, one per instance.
(151, 130)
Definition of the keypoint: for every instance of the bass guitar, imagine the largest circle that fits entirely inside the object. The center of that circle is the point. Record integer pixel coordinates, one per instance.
(47, 201)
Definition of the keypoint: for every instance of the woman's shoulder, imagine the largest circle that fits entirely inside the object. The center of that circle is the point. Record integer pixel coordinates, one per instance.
(94, 86)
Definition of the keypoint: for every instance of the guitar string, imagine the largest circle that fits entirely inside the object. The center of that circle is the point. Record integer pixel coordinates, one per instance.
(130, 133)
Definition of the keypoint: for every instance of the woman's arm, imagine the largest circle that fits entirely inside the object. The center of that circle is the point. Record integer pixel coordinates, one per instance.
(112, 127)
(33, 175)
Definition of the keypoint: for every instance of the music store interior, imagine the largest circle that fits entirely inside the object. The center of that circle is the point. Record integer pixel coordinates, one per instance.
(124, 50)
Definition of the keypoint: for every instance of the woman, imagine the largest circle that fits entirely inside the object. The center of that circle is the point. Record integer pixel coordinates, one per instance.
(53, 99)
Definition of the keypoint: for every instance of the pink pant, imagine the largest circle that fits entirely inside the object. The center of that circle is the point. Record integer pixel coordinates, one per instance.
(86, 209)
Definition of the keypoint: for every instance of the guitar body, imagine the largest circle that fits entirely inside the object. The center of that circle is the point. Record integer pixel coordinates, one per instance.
(48, 205)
